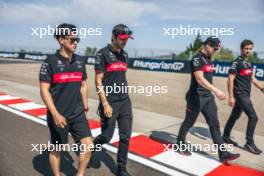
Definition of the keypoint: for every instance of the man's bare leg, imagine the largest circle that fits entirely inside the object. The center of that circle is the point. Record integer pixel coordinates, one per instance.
(54, 160)
(85, 156)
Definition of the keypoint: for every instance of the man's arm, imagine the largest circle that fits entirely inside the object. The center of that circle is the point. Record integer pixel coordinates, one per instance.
(199, 76)
(47, 99)
(84, 94)
(101, 93)
(230, 87)
(100, 68)
(257, 83)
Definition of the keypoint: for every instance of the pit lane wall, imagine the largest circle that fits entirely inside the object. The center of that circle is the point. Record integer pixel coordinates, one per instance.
(178, 66)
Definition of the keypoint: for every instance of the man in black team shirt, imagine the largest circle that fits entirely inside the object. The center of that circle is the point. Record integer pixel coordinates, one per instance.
(200, 99)
(240, 77)
(110, 67)
(64, 90)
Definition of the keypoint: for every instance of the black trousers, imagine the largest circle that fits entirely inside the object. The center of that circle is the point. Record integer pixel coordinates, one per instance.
(243, 104)
(206, 105)
(122, 113)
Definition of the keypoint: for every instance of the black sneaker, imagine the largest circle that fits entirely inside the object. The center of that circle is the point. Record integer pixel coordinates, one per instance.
(225, 157)
(122, 172)
(252, 148)
(228, 140)
(182, 148)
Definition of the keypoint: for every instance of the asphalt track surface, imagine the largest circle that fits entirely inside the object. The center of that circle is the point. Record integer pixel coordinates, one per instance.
(18, 159)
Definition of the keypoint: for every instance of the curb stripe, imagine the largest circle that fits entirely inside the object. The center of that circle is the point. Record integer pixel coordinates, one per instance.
(196, 164)
(144, 146)
(22, 114)
(13, 101)
(231, 170)
(26, 106)
(7, 97)
(37, 112)
(94, 124)
(44, 117)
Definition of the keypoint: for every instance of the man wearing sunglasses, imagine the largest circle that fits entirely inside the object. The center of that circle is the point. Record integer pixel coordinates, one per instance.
(199, 98)
(240, 77)
(110, 67)
(64, 90)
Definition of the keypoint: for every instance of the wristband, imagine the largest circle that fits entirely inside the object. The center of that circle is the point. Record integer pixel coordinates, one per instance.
(85, 109)
(105, 103)
(101, 92)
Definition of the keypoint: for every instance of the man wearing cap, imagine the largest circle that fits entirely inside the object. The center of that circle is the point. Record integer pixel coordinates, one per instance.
(240, 77)
(199, 98)
(110, 67)
(64, 90)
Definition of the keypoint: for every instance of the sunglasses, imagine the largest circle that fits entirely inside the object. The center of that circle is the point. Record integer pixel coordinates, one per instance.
(216, 49)
(125, 32)
(73, 40)
(128, 32)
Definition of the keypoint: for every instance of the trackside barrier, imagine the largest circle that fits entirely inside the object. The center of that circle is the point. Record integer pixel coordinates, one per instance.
(179, 66)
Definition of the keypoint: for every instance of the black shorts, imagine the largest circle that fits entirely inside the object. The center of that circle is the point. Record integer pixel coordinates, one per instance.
(78, 127)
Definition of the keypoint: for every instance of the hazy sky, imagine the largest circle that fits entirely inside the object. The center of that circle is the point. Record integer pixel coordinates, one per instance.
(146, 18)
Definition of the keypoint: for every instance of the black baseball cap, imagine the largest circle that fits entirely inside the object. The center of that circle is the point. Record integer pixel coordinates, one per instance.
(213, 42)
(64, 29)
(122, 32)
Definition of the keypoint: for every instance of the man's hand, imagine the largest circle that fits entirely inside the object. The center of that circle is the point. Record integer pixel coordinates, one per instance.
(219, 94)
(108, 110)
(86, 109)
(199, 76)
(60, 121)
(262, 90)
(231, 101)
